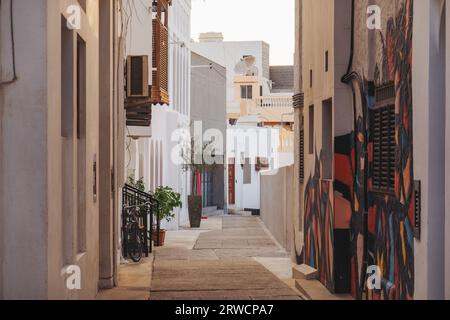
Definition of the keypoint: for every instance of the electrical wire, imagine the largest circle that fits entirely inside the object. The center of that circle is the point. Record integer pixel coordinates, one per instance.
(13, 44)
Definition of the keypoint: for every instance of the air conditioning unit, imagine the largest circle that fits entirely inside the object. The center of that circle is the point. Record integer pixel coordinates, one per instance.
(137, 77)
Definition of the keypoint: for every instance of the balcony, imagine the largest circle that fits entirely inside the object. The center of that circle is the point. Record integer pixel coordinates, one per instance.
(273, 110)
(274, 102)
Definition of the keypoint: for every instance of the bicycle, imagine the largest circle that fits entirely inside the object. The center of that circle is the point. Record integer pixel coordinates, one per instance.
(134, 233)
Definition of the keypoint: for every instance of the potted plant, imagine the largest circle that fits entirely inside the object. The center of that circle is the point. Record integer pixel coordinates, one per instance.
(195, 163)
(167, 200)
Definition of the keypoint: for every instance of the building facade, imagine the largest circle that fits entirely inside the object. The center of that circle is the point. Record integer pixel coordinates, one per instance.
(150, 145)
(60, 169)
(229, 54)
(362, 174)
(208, 108)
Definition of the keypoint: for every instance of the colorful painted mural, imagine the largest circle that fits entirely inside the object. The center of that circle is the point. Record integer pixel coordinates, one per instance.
(385, 235)
(319, 224)
(349, 184)
(391, 216)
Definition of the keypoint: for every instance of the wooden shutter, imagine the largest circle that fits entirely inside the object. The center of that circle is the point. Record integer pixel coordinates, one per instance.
(383, 162)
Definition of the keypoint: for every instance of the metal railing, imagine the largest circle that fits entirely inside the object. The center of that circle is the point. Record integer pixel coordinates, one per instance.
(132, 197)
(275, 102)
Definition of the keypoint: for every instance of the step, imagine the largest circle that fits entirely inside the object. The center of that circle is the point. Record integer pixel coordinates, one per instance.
(304, 272)
(314, 290)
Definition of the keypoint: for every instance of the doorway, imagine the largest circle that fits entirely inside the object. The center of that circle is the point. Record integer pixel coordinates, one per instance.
(231, 182)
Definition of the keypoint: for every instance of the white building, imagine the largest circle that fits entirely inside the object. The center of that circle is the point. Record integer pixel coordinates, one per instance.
(229, 54)
(149, 150)
(251, 150)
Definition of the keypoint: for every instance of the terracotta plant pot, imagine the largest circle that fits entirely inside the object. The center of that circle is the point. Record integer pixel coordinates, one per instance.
(162, 237)
(195, 211)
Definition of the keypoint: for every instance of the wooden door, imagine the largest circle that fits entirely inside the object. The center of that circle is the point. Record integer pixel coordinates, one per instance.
(231, 182)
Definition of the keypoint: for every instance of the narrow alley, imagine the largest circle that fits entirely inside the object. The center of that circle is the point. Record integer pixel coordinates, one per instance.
(171, 150)
(229, 258)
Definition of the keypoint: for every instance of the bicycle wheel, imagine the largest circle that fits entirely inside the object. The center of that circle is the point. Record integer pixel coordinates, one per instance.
(135, 244)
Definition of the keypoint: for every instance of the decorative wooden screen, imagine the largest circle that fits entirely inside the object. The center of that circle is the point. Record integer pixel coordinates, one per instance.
(160, 75)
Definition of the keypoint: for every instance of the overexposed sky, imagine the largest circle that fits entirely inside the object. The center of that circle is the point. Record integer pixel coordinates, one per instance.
(272, 21)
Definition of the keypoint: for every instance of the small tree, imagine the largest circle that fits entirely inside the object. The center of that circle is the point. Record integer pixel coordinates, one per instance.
(194, 161)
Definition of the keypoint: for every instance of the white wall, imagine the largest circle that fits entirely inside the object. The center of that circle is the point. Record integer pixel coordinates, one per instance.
(431, 251)
(180, 56)
(139, 31)
(254, 142)
(155, 145)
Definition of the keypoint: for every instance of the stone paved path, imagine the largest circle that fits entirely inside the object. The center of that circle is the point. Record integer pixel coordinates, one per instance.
(219, 264)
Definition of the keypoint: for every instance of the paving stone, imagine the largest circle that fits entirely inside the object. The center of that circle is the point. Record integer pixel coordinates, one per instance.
(228, 273)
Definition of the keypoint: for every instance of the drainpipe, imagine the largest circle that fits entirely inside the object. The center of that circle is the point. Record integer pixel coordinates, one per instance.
(355, 81)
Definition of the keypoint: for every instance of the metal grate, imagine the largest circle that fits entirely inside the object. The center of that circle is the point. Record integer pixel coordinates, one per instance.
(383, 133)
(302, 155)
(417, 209)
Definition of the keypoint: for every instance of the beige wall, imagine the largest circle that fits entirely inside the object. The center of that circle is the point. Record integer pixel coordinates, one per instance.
(277, 199)
(33, 160)
(318, 21)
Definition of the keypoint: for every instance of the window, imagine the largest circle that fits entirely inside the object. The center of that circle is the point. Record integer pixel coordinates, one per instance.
(262, 164)
(311, 130)
(310, 78)
(247, 171)
(326, 61)
(261, 92)
(327, 138)
(382, 127)
(81, 144)
(67, 77)
(247, 92)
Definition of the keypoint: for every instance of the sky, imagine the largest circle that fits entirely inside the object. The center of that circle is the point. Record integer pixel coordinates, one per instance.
(272, 21)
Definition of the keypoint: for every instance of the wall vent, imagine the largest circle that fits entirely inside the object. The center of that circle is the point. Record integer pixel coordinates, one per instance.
(417, 208)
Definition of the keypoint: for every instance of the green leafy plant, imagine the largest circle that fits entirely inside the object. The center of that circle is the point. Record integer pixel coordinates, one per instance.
(139, 184)
(168, 200)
